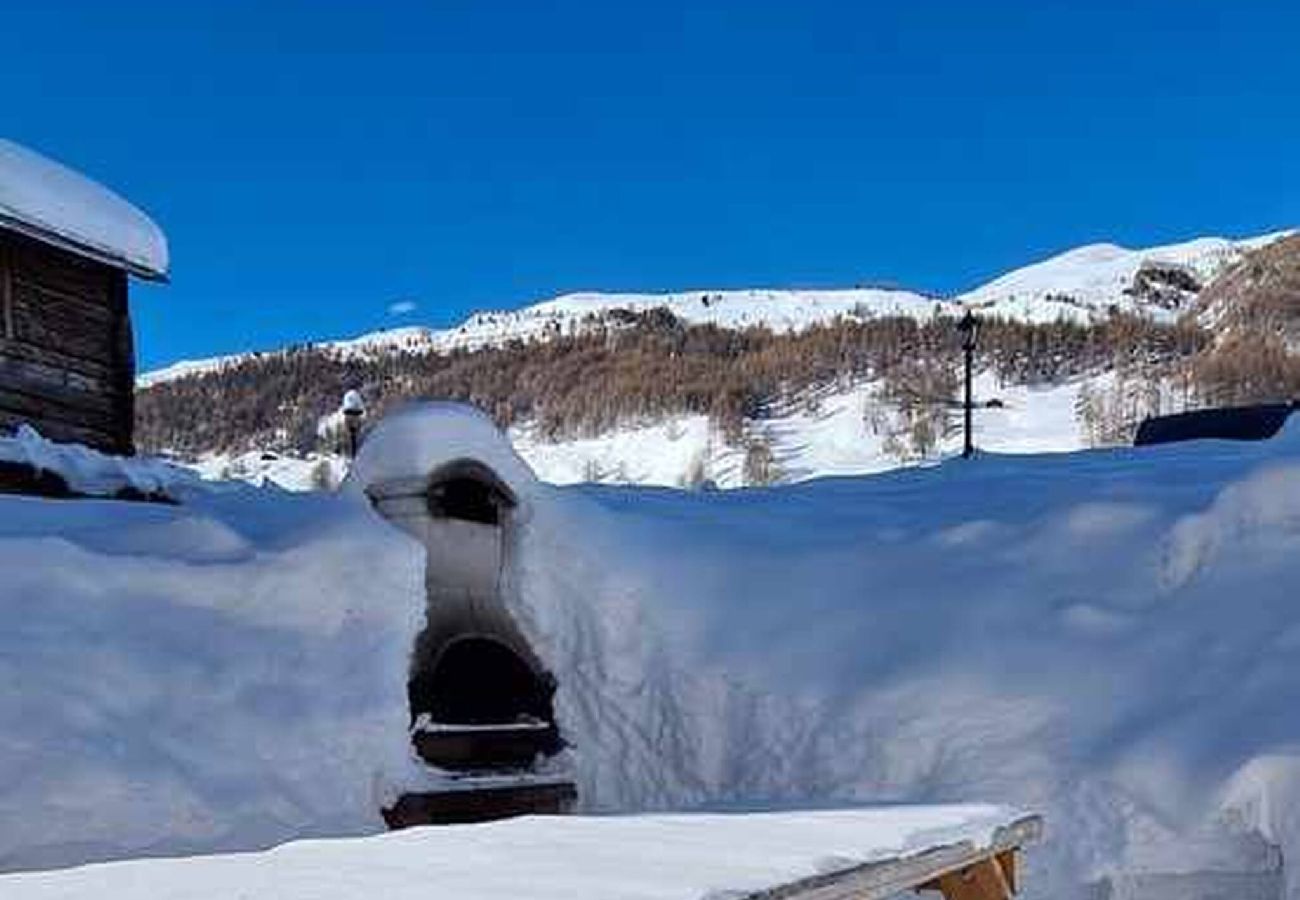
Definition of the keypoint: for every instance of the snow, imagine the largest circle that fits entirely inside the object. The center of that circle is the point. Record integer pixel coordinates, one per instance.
(352, 403)
(225, 674)
(920, 636)
(1094, 277)
(88, 471)
(418, 438)
(49, 201)
(825, 432)
(1082, 284)
(615, 858)
(1108, 638)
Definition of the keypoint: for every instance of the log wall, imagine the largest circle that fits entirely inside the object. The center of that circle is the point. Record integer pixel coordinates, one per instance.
(67, 360)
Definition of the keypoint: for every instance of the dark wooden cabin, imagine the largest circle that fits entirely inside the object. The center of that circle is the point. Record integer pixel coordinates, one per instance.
(67, 360)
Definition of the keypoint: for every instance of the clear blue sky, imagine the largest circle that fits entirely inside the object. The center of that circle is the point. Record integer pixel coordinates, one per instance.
(316, 162)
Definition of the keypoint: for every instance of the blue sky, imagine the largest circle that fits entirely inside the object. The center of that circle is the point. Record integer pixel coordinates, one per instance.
(326, 168)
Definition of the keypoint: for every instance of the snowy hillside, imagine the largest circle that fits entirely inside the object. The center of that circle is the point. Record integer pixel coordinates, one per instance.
(228, 673)
(1081, 284)
(1088, 281)
(833, 432)
(780, 310)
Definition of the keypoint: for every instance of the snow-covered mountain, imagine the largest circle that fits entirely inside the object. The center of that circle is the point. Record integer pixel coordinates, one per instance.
(1084, 284)
(837, 429)
(1091, 281)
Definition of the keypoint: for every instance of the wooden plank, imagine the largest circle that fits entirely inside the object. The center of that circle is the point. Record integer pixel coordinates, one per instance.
(6, 294)
(68, 388)
(44, 320)
(1007, 860)
(57, 360)
(60, 270)
(38, 407)
(537, 797)
(881, 880)
(124, 360)
(981, 881)
(97, 304)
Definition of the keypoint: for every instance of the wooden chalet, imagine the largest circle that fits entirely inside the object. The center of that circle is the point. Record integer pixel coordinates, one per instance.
(68, 247)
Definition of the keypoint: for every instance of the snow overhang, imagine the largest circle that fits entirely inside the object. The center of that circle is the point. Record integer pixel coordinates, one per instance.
(49, 202)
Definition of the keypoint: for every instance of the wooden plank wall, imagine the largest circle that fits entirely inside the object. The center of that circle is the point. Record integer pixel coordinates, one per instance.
(67, 360)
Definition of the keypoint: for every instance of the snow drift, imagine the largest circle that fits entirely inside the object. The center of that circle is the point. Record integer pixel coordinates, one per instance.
(1109, 638)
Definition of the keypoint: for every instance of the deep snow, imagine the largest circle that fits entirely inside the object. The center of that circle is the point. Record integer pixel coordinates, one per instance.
(49, 200)
(696, 857)
(225, 674)
(1107, 637)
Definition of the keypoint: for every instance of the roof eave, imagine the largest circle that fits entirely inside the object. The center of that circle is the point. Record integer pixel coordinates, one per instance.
(55, 239)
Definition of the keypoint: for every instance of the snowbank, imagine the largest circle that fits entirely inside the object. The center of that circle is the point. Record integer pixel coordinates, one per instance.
(87, 471)
(1110, 638)
(420, 437)
(226, 674)
(49, 201)
(631, 857)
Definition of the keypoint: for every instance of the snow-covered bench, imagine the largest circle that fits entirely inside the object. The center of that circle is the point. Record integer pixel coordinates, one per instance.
(966, 852)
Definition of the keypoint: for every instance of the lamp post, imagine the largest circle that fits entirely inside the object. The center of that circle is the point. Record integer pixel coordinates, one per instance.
(969, 327)
(354, 410)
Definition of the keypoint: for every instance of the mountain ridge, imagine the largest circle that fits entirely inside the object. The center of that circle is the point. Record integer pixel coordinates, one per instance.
(1082, 284)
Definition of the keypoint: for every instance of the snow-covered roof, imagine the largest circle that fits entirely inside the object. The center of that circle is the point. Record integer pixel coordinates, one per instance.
(50, 202)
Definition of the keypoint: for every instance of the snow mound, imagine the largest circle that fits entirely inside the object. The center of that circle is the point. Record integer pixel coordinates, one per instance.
(227, 674)
(51, 202)
(420, 437)
(612, 857)
(87, 471)
(920, 636)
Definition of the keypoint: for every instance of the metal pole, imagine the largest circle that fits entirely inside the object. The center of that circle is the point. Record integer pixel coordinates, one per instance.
(969, 450)
(969, 328)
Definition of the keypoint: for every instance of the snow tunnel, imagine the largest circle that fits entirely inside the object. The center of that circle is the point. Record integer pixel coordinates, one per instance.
(481, 700)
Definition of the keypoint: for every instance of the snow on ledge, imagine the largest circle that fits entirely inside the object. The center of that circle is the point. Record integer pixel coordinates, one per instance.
(646, 857)
(87, 471)
(50, 202)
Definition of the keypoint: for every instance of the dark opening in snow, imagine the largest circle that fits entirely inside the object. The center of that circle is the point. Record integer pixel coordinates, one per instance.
(469, 491)
(481, 681)
(481, 708)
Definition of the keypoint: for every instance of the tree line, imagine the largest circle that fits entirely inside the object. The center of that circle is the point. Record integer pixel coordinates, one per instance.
(624, 367)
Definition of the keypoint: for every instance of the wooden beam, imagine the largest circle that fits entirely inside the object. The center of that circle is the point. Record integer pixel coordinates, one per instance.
(1007, 860)
(921, 871)
(982, 881)
(6, 291)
